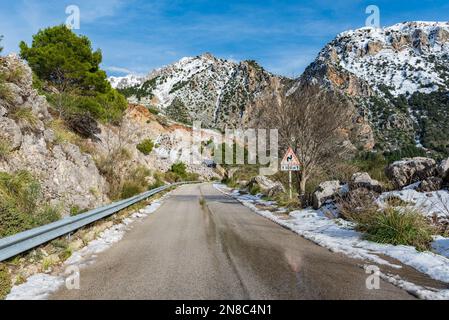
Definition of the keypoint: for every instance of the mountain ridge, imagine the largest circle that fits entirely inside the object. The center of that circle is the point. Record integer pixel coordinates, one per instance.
(395, 77)
(217, 92)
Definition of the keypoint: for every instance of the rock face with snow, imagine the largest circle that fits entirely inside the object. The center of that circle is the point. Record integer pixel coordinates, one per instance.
(430, 184)
(397, 77)
(327, 190)
(267, 186)
(217, 92)
(363, 180)
(408, 171)
(126, 81)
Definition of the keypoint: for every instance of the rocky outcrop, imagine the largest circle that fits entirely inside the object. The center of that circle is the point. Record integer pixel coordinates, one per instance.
(328, 190)
(266, 186)
(387, 73)
(68, 177)
(363, 180)
(443, 169)
(408, 171)
(430, 184)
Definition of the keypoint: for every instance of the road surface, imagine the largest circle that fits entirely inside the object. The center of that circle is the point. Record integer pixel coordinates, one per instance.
(219, 249)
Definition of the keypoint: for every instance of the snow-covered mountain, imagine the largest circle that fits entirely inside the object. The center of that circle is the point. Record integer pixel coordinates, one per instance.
(398, 77)
(218, 92)
(126, 81)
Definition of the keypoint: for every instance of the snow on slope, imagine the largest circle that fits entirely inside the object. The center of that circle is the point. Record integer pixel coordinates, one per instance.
(215, 91)
(126, 81)
(406, 57)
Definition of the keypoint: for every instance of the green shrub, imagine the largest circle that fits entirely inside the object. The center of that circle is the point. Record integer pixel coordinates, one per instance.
(65, 254)
(146, 146)
(5, 148)
(136, 182)
(255, 189)
(178, 173)
(61, 58)
(179, 168)
(172, 177)
(20, 196)
(26, 115)
(105, 107)
(12, 220)
(410, 151)
(283, 200)
(65, 59)
(20, 189)
(46, 215)
(15, 74)
(372, 162)
(399, 227)
(153, 110)
(76, 210)
(391, 225)
(131, 188)
(5, 93)
(5, 281)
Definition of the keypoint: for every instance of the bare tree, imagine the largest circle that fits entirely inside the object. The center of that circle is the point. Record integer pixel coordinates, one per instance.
(311, 121)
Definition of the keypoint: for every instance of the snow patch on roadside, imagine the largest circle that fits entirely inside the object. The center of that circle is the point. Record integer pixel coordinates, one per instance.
(339, 236)
(37, 287)
(432, 204)
(41, 285)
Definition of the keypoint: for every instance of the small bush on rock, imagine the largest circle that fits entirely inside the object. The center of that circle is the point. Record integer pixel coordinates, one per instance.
(20, 196)
(26, 115)
(5, 148)
(146, 146)
(179, 169)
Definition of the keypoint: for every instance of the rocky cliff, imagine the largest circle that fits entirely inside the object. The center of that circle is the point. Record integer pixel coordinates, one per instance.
(73, 170)
(398, 78)
(68, 176)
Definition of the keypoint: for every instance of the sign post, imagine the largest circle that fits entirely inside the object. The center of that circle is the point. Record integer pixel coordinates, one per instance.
(290, 163)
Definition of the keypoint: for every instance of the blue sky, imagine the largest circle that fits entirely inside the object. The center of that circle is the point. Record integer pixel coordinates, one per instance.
(137, 36)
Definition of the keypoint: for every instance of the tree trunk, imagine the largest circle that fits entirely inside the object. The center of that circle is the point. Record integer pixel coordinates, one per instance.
(302, 185)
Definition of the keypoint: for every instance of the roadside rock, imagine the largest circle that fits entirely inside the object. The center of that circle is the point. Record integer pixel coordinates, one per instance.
(11, 131)
(410, 170)
(243, 184)
(443, 169)
(328, 190)
(430, 184)
(267, 186)
(363, 180)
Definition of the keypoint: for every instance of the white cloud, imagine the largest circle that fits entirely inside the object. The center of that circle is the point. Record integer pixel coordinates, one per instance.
(119, 70)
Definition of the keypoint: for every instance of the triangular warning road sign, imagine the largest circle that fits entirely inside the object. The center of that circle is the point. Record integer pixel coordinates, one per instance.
(290, 162)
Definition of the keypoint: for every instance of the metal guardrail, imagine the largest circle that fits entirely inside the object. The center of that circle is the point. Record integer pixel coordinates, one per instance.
(24, 241)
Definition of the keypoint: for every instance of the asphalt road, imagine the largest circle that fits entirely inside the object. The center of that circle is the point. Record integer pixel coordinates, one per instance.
(219, 249)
